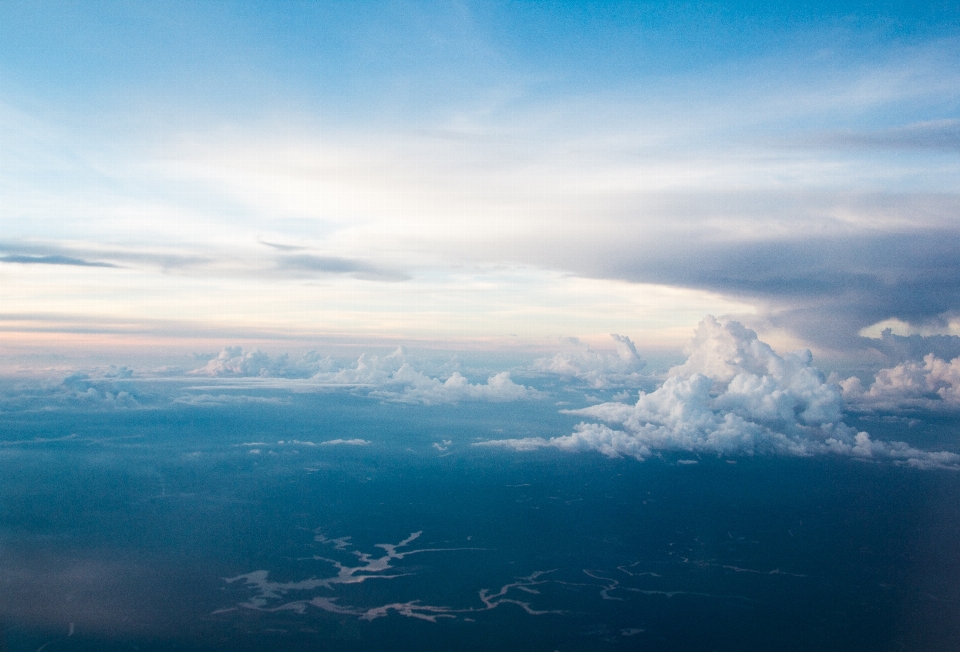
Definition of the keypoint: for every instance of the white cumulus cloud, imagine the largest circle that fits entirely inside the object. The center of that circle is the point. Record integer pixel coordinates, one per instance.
(734, 395)
(930, 384)
(598, 368)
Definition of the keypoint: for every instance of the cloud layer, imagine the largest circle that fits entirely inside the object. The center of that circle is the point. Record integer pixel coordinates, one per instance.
(733, 396)
(389, 377)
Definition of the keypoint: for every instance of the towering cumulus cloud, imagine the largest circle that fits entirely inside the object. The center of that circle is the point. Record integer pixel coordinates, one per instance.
(733, 396)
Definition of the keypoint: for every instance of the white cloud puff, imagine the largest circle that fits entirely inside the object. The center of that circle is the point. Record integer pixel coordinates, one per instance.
(598, 368)
(733, 396)
(932, 384)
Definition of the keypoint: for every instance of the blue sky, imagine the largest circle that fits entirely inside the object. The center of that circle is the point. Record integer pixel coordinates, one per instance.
(492, 173)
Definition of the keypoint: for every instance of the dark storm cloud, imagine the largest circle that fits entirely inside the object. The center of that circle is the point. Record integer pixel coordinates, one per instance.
(819, 286)
(821, 265)
(901, 348)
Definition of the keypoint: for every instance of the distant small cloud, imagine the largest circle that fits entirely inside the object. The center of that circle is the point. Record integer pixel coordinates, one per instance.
(234, 362)
(393, 378)
(229, 399)
(345, 442)
(522, 445)
(599, 369)
(931, 384)
(104, 391)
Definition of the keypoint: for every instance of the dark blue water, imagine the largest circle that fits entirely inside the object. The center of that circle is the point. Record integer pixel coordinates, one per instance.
(120, 530)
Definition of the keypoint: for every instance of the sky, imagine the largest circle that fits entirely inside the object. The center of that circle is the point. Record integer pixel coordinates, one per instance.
(686, 276)
(479, 175)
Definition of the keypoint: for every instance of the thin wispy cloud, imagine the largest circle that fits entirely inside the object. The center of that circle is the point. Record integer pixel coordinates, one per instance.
(306, 263)
(52, 260)
(281, 247)
(932, 134)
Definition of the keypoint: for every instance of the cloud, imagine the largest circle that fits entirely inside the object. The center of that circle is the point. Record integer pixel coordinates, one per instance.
(50, 252)
(204, 400)
(281, 247)
(733, 396)
(826, 284)
(106, 391)
(933, 384)
(682, 201)
(52, 260)
(310, 263)
(419, 388)
(308, 444)
(598, 369)
(929, 134)
(389, 377)
(901, 348)
(232, 361)
(392, 378)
